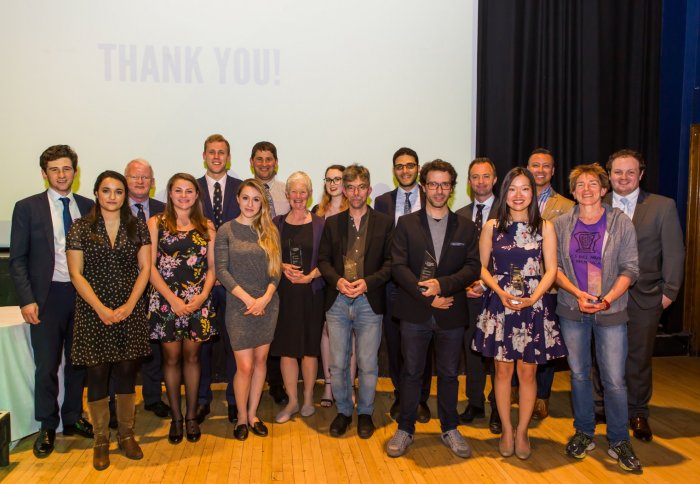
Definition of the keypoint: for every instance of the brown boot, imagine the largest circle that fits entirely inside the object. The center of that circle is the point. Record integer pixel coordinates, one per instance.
(125, 417)
(541, 409)
(99, 414)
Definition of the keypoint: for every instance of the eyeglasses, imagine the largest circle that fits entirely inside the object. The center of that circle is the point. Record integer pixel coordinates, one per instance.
(406, 166)
(435, 185)
(333, 181)
(138, 178)
(356, 188)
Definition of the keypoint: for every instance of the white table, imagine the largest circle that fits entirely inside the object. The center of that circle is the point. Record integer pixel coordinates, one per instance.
(17, 373)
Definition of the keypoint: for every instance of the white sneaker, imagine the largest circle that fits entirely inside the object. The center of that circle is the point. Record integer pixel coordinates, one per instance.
(397, 446)
(457, 444)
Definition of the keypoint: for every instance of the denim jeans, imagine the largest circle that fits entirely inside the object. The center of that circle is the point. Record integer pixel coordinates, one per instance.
(345, 316)
(611, 353)
(415, 339)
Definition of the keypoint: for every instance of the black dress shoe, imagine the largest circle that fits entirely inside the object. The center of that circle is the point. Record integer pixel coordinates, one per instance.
(192, 430)
(423, 412)
(279, 395)
(240, 431)
(395, 409)
(159, 408)
(43, 445)
(259, 429)
(340, 425)
(232, 413)
(175, 434)
(365, 426)
(640, 429)
(202, 412)
(470, 413)
(495, 425)
(82, 427)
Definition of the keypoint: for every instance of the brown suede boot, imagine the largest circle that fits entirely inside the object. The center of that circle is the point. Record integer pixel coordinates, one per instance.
(125, 417)
(99, 414)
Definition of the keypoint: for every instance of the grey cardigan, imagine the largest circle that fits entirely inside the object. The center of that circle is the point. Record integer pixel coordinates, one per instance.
(619, 258)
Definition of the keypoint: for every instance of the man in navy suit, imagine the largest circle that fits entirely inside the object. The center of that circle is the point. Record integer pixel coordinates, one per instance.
(218, 192)
(47, 297)
(482, 179)
(661, 267)
(407, 198)
(140, 181)
(434, 255)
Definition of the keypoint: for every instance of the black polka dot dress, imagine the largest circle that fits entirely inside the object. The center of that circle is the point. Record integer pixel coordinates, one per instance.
(111, 272)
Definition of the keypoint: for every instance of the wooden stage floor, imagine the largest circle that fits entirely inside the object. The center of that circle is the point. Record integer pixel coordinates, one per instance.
(302, 450)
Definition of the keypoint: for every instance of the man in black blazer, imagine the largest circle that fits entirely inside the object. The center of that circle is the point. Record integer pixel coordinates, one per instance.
(408, 197)
(46, 295)
(354, 259)
(140, 181)
(482, 179)
(661, 266)
(435, 256)
(217, 193)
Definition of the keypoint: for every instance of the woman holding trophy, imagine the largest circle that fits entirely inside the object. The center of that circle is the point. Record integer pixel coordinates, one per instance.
(514, 326)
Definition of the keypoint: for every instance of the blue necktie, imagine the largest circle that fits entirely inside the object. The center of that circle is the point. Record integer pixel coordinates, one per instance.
(67, 219)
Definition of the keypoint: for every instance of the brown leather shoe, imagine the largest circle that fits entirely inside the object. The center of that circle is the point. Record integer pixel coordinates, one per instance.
(640, 429)
(541, 409)
(125, 420)
(99, 414)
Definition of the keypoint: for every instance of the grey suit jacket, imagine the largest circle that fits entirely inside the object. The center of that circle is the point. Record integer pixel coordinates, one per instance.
(661, 249)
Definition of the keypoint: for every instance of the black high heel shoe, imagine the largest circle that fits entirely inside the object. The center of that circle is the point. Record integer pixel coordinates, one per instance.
(175, 434)
(193, 432)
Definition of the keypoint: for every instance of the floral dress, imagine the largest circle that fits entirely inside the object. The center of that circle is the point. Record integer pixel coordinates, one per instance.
(531, 334)
(182, 262)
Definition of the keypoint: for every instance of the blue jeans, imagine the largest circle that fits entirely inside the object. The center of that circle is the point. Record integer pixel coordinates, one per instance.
(415, 339)
(611, 353)
(345, 316)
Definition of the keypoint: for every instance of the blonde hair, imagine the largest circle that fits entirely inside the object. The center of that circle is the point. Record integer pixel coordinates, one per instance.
(268, 235)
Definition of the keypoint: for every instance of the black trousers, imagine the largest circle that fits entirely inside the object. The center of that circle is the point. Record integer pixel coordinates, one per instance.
(205, 358)
(51, 339)
(392, 338)
(415, 339)
(476, 366)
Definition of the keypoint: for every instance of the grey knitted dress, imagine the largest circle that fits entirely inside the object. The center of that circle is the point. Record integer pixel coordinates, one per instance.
(240, 261)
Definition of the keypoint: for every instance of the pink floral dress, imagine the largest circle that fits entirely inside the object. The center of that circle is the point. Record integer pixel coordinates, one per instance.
(182, 262)
(532, 334)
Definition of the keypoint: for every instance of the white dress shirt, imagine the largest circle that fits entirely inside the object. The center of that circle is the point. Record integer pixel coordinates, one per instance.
(60, 267)
(632, 202)
(488, 203)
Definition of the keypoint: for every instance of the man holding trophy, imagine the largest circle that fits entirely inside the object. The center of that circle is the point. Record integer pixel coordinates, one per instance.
(355, 261)
(435, 256)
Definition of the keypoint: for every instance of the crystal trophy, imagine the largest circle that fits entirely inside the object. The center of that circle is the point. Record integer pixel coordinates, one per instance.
(295, 257)
(595, 281)
(428, 270)
(517, 283)
(350, 267)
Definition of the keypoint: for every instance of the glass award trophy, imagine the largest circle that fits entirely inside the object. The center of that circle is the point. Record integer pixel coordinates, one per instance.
(350, 267)
(594, 275)
(295, 257)
(428, 270)
(517, 283)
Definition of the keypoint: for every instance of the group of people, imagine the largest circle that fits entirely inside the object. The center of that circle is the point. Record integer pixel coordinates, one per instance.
(128, 282)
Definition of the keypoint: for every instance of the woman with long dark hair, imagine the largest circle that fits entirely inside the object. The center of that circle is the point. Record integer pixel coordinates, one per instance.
(249, 265)
(514, 327)
(109, 261)
(180, 307)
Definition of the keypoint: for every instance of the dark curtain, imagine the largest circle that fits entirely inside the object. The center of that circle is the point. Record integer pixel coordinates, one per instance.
(578, 77)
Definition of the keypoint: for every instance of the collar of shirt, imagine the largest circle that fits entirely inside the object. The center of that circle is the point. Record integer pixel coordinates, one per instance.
(210, 186)
(488, 203)
(135, 209)
(56, 197)
(414, 198)
(632, 197)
